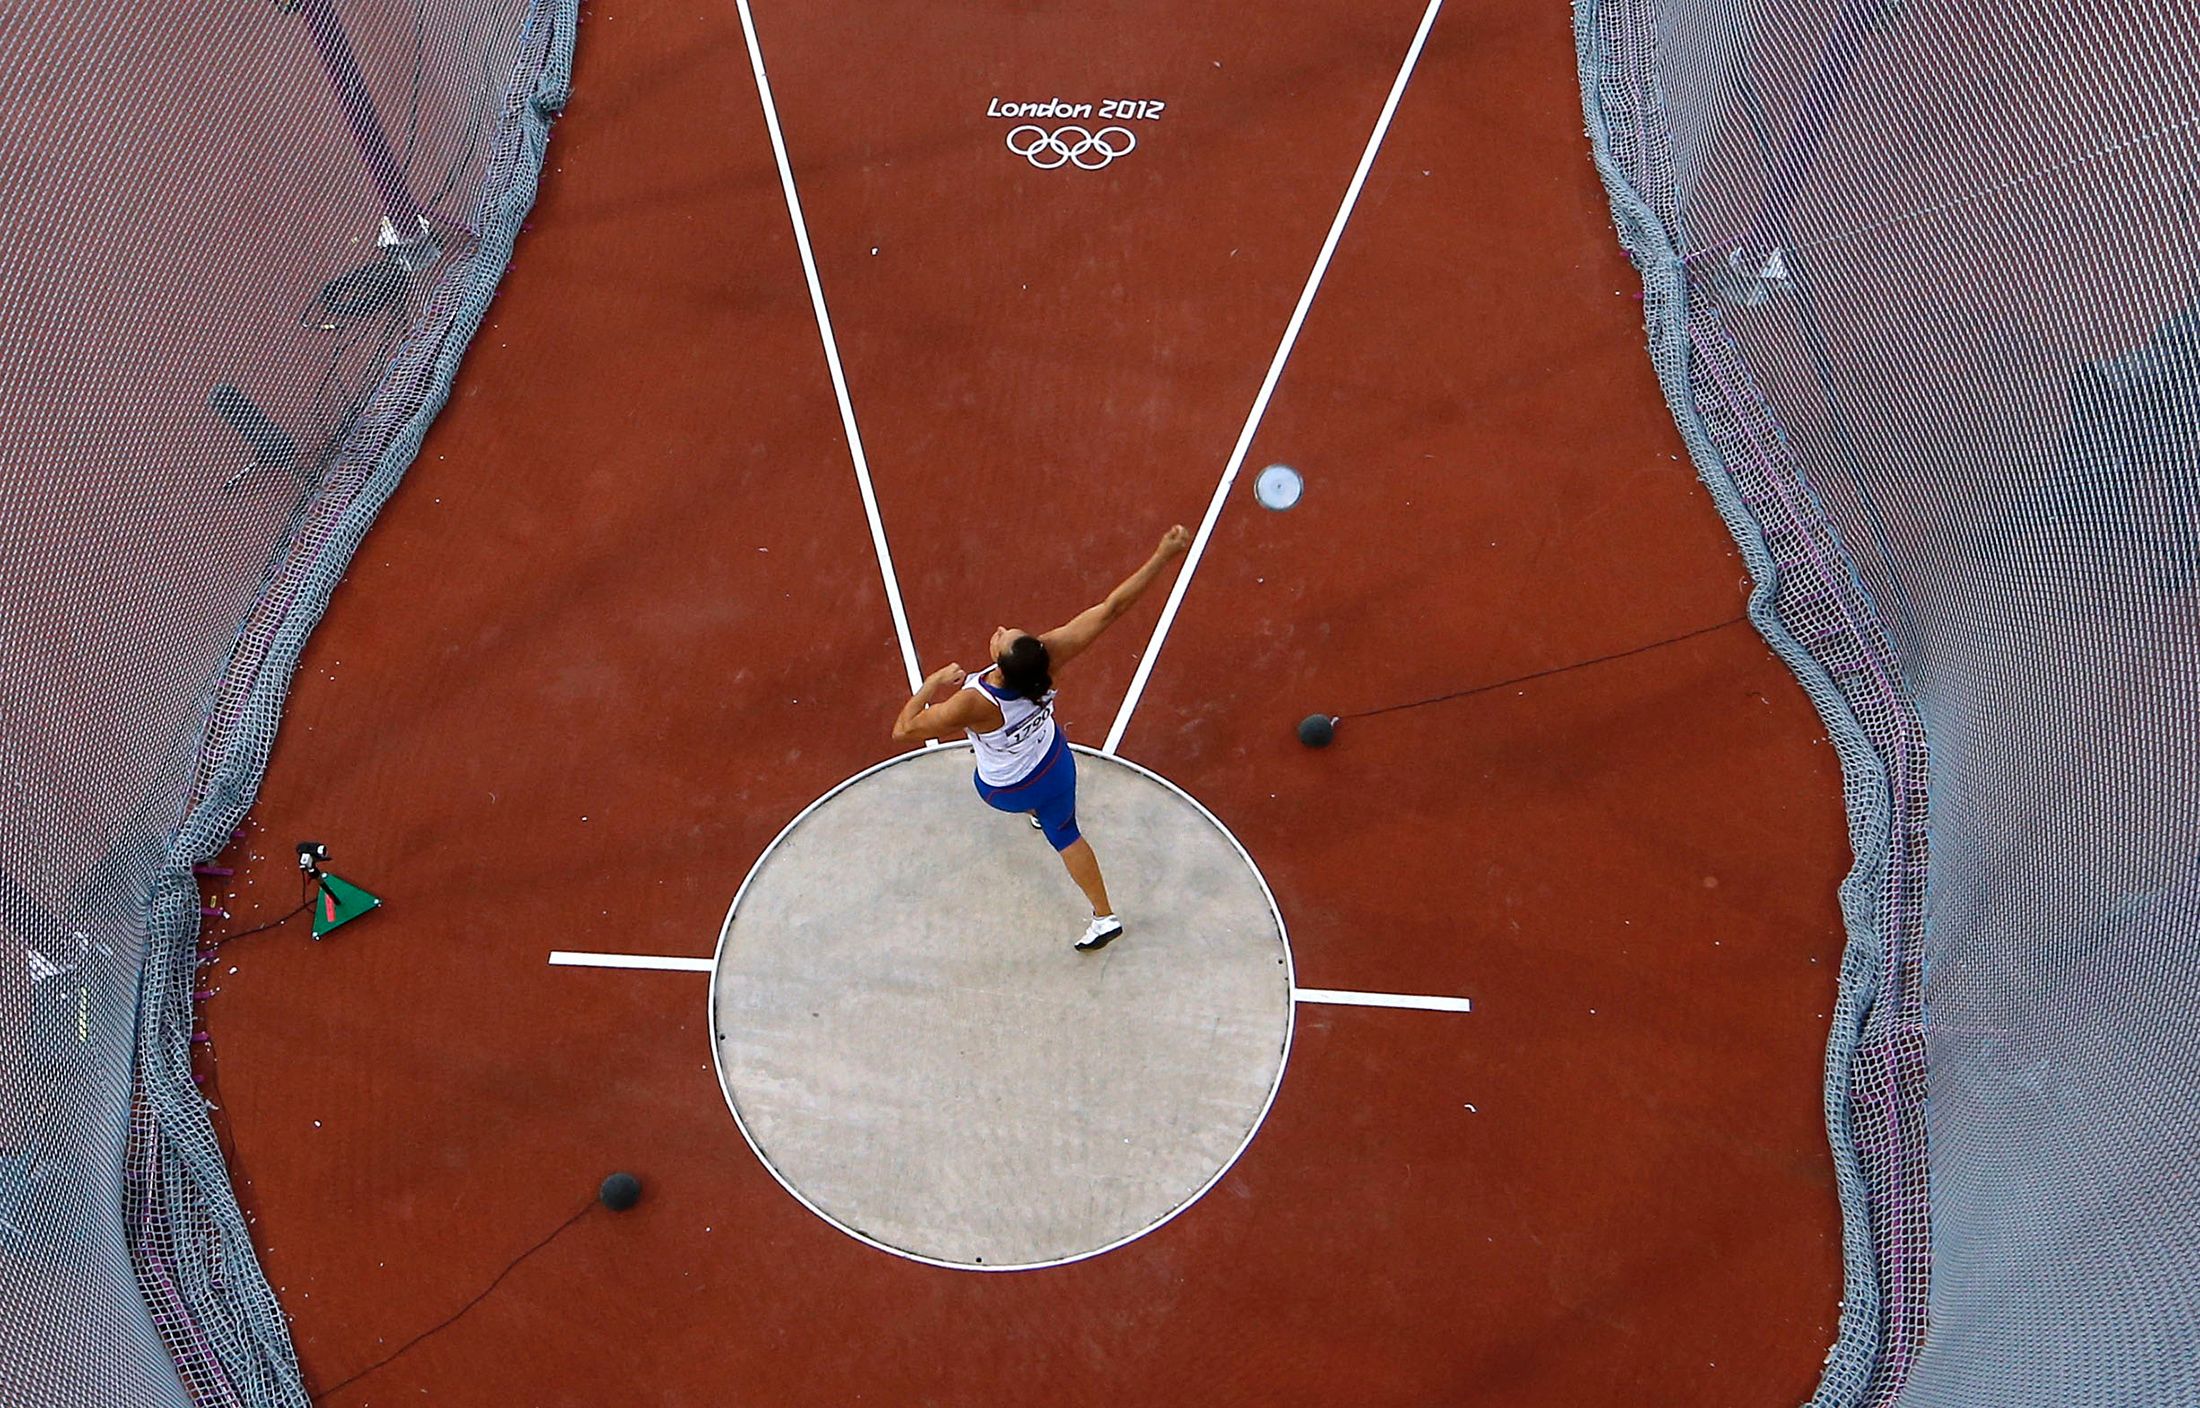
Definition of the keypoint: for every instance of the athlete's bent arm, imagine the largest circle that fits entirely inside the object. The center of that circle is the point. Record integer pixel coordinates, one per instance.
(922, 720)
(1066, 642)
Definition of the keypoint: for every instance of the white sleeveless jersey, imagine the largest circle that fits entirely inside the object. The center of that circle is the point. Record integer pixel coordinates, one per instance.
(1009, 753)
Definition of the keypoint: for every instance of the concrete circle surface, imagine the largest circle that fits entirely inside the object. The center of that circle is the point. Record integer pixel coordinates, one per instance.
(914, 1049)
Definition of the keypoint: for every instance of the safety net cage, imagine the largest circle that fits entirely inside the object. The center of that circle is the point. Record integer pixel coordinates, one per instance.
(1920, 283)
(244, 246)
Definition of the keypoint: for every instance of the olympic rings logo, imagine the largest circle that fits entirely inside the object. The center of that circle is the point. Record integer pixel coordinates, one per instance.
(1071, 146)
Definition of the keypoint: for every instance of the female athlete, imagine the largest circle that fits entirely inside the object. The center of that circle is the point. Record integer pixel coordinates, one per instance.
(1024, 762)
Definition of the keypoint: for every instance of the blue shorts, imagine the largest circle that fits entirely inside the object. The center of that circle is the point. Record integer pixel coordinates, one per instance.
(1048, 791)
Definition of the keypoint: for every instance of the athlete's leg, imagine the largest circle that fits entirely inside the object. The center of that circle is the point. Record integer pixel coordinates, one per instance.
(1052, 800)
(1084, 868)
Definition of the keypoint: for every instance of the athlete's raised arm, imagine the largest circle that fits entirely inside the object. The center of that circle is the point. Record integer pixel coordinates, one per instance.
(1066, 642)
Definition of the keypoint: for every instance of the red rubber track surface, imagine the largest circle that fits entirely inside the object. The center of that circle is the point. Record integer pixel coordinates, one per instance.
(624, 620)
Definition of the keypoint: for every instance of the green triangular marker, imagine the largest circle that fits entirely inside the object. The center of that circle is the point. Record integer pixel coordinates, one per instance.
(339, 902)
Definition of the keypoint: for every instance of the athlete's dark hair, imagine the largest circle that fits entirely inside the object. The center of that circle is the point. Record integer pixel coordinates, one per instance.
(1025, 668)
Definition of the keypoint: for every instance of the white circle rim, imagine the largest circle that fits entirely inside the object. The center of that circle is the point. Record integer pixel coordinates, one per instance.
(1283, 1061)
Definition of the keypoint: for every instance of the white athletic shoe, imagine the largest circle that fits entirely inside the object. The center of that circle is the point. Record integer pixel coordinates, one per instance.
(1036, 824)
(1103, 931)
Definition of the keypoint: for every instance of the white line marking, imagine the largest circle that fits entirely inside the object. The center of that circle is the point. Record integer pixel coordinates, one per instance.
(563, 959)
(1267, 387)
(1291, 1022)
(832, 352)
(1340, 998)
(1332, 996)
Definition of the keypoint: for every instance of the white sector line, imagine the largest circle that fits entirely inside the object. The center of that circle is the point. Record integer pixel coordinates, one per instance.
(662, 963)
(832, 351)
(1268, 386)
(1336, 996)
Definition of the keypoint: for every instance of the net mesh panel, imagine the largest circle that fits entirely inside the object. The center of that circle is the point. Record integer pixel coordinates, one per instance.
(1921, 290)
(245, 244)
